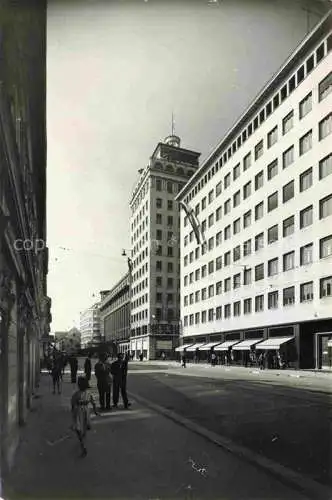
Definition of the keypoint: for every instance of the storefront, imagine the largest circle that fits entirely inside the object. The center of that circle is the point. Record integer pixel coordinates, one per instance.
(323, 350)
(225, 353)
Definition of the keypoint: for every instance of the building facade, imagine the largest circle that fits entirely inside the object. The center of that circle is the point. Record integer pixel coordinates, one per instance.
(24, 305)
(263, 202)
(90, 326)
(155, 253)
(115, 315)
(69, 341)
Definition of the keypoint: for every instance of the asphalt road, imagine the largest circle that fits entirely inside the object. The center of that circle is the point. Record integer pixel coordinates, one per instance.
(288, 424)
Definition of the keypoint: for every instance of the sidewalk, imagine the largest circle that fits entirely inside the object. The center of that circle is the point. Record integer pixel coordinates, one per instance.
(135, 454)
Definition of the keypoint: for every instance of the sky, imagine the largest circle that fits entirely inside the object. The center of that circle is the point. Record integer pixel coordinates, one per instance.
(116, 71)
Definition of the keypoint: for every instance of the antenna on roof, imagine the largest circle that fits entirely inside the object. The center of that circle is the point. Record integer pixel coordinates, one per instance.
(173, 125)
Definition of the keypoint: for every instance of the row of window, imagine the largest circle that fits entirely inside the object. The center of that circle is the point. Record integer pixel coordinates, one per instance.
(288, 228)
(160, 314)
(288, 192)
(306, 257)
(306, 294)
(299, 75)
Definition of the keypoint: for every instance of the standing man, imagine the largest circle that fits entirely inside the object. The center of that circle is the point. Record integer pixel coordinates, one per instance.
(73, 368)
(87, 368)
(119, 370)
(102, 372)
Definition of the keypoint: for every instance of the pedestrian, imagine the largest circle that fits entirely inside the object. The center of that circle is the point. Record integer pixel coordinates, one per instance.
(119, 370)
(64, 362)
(213, 359)
(163, 356)
(88, 368)
(102, 372)
(56, 373)
(184, 360)
(80, 402)
(73, 363)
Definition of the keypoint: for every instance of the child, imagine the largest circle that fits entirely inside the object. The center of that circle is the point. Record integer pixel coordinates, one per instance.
(81, 413)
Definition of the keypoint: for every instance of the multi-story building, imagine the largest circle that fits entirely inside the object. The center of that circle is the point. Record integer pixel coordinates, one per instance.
(263, 200)
(115, 315)
(90, 326)
(68, 341)
(154, 224)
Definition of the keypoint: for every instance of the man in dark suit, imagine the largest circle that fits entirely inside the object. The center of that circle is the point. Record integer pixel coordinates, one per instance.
(119, 369)
(102, 372)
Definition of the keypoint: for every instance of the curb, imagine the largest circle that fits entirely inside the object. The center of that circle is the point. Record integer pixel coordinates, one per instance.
(308, 487)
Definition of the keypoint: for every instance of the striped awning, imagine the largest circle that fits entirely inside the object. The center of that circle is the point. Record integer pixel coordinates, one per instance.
(273, 343)
(226, 345)
(195, 346)
(245, 345)
(209, 346)
(182, 347)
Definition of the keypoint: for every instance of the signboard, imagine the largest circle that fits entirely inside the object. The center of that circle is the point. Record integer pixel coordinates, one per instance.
(164, 345)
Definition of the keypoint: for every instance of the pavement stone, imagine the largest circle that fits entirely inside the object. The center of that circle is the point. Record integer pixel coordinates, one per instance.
(135, 454)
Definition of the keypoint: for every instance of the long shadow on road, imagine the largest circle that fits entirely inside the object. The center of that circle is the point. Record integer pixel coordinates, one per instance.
(289, 426)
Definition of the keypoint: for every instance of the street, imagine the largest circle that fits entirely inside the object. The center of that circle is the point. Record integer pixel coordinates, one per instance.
(190, 434)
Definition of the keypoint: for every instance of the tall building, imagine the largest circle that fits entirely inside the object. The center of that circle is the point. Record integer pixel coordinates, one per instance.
(115, 315)
(68, 341)
(263, 201)
(154, 225)
(24, 305)
(90, 326)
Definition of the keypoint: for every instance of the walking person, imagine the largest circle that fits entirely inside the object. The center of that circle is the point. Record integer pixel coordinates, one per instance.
(102, 372)
(119, 370)
(80, 402)
(213, 359)
(184, 360)
(88, 368)
(73, 363)
(56, 373)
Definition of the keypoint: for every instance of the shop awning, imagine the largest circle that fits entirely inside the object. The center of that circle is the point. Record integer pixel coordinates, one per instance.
(182, 347)
(245, 345)
(195, 346)
(273, 343)
(209, 346)
(226, 345)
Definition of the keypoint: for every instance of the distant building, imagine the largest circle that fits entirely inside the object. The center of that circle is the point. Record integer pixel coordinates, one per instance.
(263, 201)
(115, 314)
(155, 252)
(90, 326)
(68, 341)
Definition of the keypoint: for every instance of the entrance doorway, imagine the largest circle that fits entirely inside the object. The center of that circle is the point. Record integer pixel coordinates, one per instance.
(323, 350)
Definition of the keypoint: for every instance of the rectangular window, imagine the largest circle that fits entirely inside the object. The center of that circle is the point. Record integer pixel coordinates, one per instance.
(288, 261)
(325, 247)
(237, 253)
(218, 189)
(227, 284)
(236, 172)
(288, 192)
(169, 187)
(236, 281)
(246, 248)
(159, 203)
(259, 272)
(247, 162)
(272, 202)
(272, 267)
(307, 291)
(158, 185)
(236, 226)
(203, 315)
(211, 220)
(325, 167)
(237, 308)
(218, 288)
(211, 291)
(203, 271)
(306, 254)
(272, 169)
(288, 123)
(259, 211)
(247, 277)
(211, 243)
(236, 199)
(272, 300)
(218, 238)
(197, 318)
(272, 137)
(169, 251)
(325, 127)
(306, 143)
(259, 303)
(259, 180)
(227, 232)
(325, 207)
(227, 311)
(203, 203)
(247, 219)
(169, 204)
(247, 190)
(197, 274)
(159, 219)
(259, 242)
(210, 196)
(203, 292)
(227, 206)
(272, 234)
(306, 217)
(218, 263)
(300, 74)
(211, 266)
(288, 226)
(218, 312)
(170, 267)
(306, 180)
(326, 287)
(218, 214)
(325, 87)
(227, 181)
(170, 220)
(288, 157)
(227, 259)
(259, 149)
(289, 296)
(305, 106)
(211, 314)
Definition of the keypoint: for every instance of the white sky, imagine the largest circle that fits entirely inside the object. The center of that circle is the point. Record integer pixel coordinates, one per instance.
(115, 72)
